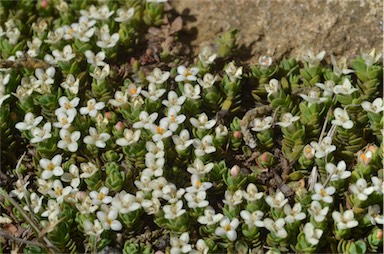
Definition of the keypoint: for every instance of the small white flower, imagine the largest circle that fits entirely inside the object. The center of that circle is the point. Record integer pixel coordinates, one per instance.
(253, 219)
(339, 172)
(154, 166)
(29, 122)
(207, 56)
(125, 202)
(129, 138)
(371, 58)
(327, 87)
(153, 93)
(101, 74)
(158, 77)
(201, 247)
(95, 60)
(13, 35)
(272, 87)
(108, 41)
(192, 92)
(96, 139)
(197, 185)
(313, 97)
(199, 168)
(345, 220)
(64, 56)
(361, 189)
(51, 167)
(71, 83)
(207, 81)
(324, 148)
(182, 141)
(68, 106)
(160, 131)
(157, 149)
(34, 47)
(313, 60)
(69, 140)
(64, 119)
(276, 227)
(265, 61)
(204, 146)
(186, 73)
(124, 15)
(59, 192)
(54, 37)
(209, 218)
(120, 100)
(109, 220)
(88, 169)
(324, 194)
(20, 189)
(171, 193)
(251, 193)
(92, 108)
(53, 209)
(174, 101)
(233, 72)
(72, 176)
(342, 119)
(309, 152)
(93, 229)
(133, 90)
(374, 216)
(100, 197)
(375, 107)
(173, 119)
(312, 235)
(228, 228)
(287, 119)
(202, 122)
(233, 199)
(377, 184)
(45, 77)
(277, 201)
(180, 245)
(221, 131)
(262, 124)
(146, 120)
(174, 210)
(35, 203)
(345, 88)
(293, 214)
(197, 199)
(41, 134)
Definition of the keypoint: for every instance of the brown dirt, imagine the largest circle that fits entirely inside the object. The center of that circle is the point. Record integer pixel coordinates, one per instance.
(281, 28)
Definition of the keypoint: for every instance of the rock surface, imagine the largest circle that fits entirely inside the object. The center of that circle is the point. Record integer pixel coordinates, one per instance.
(281, 28)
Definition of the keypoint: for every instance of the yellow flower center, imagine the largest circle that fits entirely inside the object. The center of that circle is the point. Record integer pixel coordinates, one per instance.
(100, 196)
(308, 150)
(323, 193)
(133, 90)
(198, 183)
(91, 106)
(51, 166)
(172, 118)
(227, 228)
(159, 130)
(188, 72)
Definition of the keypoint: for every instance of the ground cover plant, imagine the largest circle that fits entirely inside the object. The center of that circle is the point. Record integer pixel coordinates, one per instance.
(114, 138)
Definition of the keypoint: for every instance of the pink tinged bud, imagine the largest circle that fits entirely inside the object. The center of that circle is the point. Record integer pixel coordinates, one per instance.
(159, 252)
(379, 234)
(81, 195)
(108, 115)
(235, 170)
(237, 134)
(119, 126)
(264, 157)
(44, 4)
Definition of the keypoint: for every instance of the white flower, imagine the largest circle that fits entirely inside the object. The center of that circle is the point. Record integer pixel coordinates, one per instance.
(312, 235)
(174, 210)
(209, 218)
(361, 189)
(71, 84)
(313, 60)
(153, 93)
(59, 192)
(374, 216)
(41, 134)
(324, 148)
(309, 152)
(96, 139)
(293, 214)
(277, 201)
(228, 228)
(197, 199)
(72, 176)
(313, 97)
(180, 245)
(154, 166)
(69, 140)
(182, 141)
(204, 146)
(253, 219)
(133, 90)
(327, 87)
(345, 88)
(92, 108)
(339, 172)
(192, 92)
(109, 220)
(173, 119)
(206, 56)
(92, 229)
(342, 119)
(146, 120)
(157, 185)
(262, 124)
(100, 197)
(377, 184)
(287, 119)
(197, 185)
(29, 122)
(233, 72)
(202, 122)
(95, 60)
(233, 199)
(124, 15)
(345, 220)
(158, 77)
(340, 67)
(174, 101)
(186, 73)
(20, 189)
(371, 58)
(51, 167)
(251, 193)
(207, 81)
(143, 184)
(156, 149)
(54, 37)
(101, 74)
(13, 35)
(201, 247)
(265, 61)
(45, 77)
(160, 131)
(199, 168)
(67, 106)
(103, 13)
(64, 56)
(121, 99)
(125, 202)
(88, 169)
(324, 194)
(108, 41)
(221, 131)
(64, 119)
(171, 193)
(272, 87)
(375, 107)
(35, 203)
(34, 47)
(129, 138)
(276, 227)
(44, 186)
(53, 209)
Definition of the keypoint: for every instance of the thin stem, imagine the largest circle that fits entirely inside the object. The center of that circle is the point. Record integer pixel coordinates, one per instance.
(8, 236)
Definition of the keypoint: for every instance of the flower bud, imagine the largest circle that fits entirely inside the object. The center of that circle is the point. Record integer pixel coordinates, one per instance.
(44, 4)
(235, 171)
(159, 252)
(119, 126)
(237, 134)
(81, 195)
(108, 115)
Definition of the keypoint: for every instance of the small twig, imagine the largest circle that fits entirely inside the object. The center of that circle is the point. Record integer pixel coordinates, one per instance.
(8, 236)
